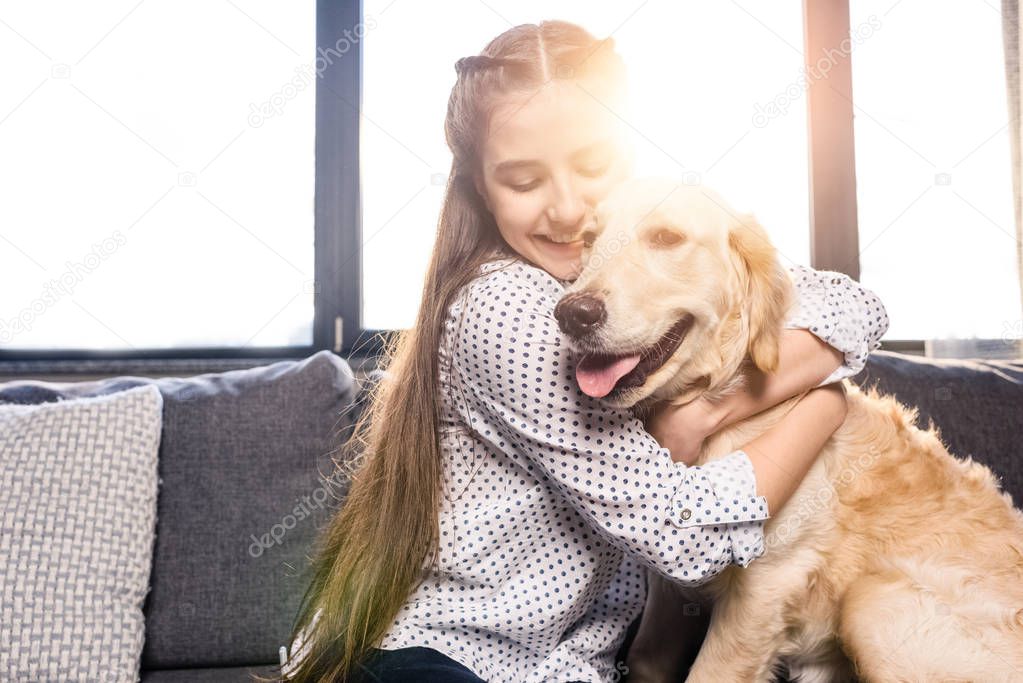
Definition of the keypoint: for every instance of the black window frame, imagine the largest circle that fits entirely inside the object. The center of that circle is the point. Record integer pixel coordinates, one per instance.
(338, 269)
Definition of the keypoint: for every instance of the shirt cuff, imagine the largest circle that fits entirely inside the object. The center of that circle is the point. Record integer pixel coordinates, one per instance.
(854, 360)
(723, 493)
(299, 648)
(847, 369)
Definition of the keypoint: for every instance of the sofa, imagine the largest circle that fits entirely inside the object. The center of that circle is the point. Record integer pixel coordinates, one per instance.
(246, 468)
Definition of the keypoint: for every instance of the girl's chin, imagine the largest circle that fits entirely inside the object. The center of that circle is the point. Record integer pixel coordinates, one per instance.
(563, 261)
(561, 267)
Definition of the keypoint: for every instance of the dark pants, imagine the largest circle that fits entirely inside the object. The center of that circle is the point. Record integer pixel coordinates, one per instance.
(418, 664)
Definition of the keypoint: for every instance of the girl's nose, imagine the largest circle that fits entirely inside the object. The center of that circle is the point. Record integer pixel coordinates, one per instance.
(567, 208)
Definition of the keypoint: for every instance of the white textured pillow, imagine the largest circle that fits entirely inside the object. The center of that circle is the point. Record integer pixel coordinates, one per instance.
(78, 486)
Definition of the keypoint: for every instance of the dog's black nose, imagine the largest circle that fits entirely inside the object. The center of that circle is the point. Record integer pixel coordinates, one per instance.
(579, 314)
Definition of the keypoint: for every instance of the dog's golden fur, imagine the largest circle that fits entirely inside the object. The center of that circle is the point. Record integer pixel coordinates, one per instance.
(893, 560)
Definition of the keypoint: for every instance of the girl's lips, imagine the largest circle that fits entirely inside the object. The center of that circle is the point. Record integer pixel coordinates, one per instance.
(559, 246)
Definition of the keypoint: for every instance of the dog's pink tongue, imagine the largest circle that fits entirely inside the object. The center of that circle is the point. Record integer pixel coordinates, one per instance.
(597, 375)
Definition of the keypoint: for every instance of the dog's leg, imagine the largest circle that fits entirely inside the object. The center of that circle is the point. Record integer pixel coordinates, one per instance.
(901, 627)
(673, 624)
(746, 633)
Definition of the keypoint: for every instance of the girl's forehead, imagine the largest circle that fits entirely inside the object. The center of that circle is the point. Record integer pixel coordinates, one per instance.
(558, 119)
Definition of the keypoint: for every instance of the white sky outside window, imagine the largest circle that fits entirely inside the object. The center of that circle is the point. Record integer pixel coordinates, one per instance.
(134, 172)
(933, 174)
(145, 204)
(699, 72)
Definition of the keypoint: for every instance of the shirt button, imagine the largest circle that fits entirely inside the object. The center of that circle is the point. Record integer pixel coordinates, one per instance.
(687, 513)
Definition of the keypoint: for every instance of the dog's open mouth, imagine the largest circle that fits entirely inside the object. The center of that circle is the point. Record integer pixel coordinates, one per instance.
(601, 374)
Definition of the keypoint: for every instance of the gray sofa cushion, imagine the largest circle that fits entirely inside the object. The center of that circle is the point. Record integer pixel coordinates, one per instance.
(241, 499)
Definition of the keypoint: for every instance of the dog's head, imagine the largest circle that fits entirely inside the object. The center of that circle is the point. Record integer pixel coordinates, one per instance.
(677, 290)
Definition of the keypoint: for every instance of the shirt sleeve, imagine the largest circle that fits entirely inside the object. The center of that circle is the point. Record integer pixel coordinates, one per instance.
(841, 312)
(514, 381)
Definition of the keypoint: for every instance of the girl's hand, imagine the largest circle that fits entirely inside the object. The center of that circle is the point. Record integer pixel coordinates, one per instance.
(683, 429)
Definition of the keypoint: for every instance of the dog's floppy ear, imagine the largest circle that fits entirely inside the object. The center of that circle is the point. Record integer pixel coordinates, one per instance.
(768, 290)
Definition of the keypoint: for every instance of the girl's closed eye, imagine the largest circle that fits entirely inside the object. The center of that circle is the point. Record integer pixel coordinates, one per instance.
(590, 170)
(596, 163)
(594, 170)
(526, 186)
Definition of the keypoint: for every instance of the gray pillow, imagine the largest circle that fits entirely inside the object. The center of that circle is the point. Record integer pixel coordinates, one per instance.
(246, 468)
(78, 488)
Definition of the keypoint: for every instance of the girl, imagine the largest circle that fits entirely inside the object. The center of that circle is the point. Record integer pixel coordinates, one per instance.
(500, 520)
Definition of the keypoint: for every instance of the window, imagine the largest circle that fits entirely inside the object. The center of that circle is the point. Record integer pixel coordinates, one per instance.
(158, 175)
(245, 179)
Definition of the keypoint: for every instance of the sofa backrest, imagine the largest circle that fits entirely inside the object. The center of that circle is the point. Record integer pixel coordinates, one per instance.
(245, 483)
(246, 465)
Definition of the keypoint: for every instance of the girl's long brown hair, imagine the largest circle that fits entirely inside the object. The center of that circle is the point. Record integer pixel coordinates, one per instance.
(372, 554)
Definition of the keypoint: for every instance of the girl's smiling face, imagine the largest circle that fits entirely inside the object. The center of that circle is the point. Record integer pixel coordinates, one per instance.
(550, 156)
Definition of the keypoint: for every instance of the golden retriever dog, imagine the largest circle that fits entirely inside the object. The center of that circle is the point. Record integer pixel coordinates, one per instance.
(893, 560)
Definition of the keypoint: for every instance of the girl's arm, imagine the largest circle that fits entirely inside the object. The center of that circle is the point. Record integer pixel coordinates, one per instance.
(803, 361)
(783, 454)
(835, 323)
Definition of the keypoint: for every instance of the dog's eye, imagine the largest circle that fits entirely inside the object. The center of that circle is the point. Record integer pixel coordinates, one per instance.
(589, 237)
(665, 238)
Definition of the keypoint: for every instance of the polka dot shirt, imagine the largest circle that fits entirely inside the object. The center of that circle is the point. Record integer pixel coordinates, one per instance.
(554, 503)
